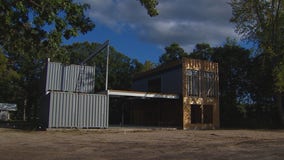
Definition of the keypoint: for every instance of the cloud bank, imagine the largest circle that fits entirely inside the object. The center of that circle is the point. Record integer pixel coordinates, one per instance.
(186, 22)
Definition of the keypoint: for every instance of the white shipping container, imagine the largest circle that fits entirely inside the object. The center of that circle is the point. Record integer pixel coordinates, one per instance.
(75, 110)
(61, 77)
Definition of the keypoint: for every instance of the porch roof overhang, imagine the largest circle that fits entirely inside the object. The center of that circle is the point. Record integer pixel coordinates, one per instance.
(141, 94)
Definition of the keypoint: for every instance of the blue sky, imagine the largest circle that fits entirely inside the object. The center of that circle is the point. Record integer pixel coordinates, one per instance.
(132, 32)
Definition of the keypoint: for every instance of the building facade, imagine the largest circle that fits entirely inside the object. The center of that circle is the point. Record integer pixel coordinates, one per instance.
(197, 83)
(69, 100)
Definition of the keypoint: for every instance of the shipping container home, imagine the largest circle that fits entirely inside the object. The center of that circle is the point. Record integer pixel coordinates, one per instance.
(197, 83)
(181, 94)
(69, 100)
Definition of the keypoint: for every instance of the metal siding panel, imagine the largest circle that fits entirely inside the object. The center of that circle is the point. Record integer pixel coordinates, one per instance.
(88, 78)
(64, 77)
(92, 113)
(54, 120)
(101, 117)
(60, 109)
(54, 74)
(54, 113)
(96, 112)
(85, 110)
(73, 77)
(171, 81)
(99, 112)
(89, 99)
(76, 119)
(78, 110)
(57, 107)
(68, 78)
(103, 111)
(54, 110)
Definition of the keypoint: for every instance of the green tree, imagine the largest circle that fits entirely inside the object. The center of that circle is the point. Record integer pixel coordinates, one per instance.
(148, 65)
(202, 51)
(262, 22)
(173, 52)
(150, 5)
(31, 31)
(234, 63)
(7, 82)
(40, 24)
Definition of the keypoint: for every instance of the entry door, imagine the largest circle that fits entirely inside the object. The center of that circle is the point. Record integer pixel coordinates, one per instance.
(201, 114)
(196, 114)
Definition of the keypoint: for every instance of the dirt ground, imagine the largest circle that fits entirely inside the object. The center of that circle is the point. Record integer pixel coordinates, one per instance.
(139, 144)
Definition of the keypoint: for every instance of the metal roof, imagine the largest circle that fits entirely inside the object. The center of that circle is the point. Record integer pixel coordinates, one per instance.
(8, 107)
(141, 94)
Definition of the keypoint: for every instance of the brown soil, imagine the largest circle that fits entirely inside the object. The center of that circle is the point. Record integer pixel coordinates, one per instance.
(138, 144)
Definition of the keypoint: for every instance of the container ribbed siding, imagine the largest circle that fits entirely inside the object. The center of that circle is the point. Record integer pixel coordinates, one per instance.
(77, 110)
(60, 77)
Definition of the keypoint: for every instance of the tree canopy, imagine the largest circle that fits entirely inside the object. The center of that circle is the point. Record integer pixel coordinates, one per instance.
(263, 23)
(27, 25)
(150, 5)
(173, 52)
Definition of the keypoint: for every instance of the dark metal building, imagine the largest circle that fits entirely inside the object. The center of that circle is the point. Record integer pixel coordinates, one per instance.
(197, 83)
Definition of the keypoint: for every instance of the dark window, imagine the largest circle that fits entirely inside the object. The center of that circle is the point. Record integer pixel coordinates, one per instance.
(202, 83)
(193, 82)
(210, 84)
(208, 114)
(154, 85)
(195, 114)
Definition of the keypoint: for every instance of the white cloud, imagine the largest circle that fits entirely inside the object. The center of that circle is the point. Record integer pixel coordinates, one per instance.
(186, 22)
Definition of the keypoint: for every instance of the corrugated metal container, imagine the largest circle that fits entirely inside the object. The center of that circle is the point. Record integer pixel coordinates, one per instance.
(93, 111)
(60, 77)
(75, 110)
(54, 76)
